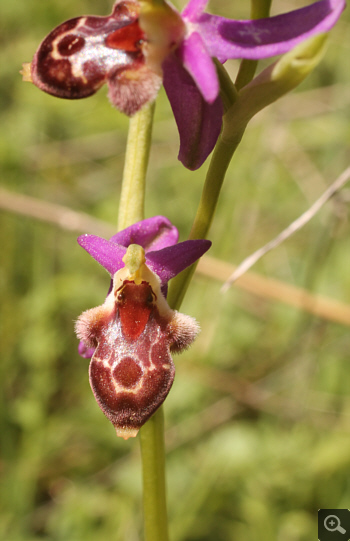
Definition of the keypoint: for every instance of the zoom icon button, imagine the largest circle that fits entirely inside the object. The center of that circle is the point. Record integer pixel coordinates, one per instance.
(333, 524)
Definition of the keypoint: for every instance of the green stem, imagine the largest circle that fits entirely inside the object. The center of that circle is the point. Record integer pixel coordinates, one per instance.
(222, 155)
(260, 9)
(226, 146)
(131, 210)
(132, 199)
(153, 471)
(246, 72)
(218, 166)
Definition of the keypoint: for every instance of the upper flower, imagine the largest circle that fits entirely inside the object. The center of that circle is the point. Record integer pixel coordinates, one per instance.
(139, 43)
(132, 334)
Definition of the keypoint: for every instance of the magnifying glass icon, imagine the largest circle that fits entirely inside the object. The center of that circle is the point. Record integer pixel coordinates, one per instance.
(332, 524)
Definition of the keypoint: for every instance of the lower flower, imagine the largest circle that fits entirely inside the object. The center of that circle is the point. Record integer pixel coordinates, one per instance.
(132, 334)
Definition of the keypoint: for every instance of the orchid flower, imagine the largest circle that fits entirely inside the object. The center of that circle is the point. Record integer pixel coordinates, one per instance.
(140, 45)
(130, 336)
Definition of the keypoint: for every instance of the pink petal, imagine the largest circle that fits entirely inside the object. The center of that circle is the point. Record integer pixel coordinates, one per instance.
(107, 253)
(200, 66)
(272, 36)
(194, 9)
(84, 351)
(170, 261)
(198, 122)
(152, 234)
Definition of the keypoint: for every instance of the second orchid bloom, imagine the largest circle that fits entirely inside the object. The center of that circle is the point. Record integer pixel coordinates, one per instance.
(132, 334)
(143, 43)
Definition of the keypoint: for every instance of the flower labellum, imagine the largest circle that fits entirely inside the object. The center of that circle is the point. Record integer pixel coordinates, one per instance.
(82, 54)
(132, 334)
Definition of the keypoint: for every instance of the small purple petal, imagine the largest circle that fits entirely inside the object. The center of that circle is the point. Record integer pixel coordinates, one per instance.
(152, 234)
(198, 122)
(200, 66)
(167, 260)
(84, 351)
(170, 261)
(194, 9)
(107, 253)
(272, 36)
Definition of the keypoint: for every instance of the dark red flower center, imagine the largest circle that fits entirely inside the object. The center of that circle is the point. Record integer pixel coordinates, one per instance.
(128, 38)
(127, 372)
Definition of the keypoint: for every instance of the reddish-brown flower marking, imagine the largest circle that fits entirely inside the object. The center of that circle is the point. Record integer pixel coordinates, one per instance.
(128, 38)
(131, 371)
(82, 54)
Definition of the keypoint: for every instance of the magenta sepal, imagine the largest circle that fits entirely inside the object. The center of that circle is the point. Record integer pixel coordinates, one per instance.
(164, 256)
(263, 38)
(85, 351)
(166, 263)
(199, 122)
(169, 262)
(152, 234)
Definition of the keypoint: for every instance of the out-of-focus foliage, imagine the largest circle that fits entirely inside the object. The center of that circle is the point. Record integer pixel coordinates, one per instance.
(258, 420)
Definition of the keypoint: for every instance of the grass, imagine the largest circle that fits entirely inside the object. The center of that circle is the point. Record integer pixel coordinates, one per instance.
(258, 418)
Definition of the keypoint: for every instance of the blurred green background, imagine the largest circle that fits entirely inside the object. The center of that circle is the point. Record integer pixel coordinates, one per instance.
(258, 420)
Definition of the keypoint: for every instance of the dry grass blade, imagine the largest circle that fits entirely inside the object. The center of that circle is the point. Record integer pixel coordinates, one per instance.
(266, 288)
(59, 215)
(290, 230)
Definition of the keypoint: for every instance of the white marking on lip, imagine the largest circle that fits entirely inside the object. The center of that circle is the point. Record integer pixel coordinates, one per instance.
(94, 49)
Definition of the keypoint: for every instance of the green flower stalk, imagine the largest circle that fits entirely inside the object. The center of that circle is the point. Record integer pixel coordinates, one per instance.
(131, 210)
(132, 198)
(240, 107)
